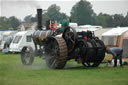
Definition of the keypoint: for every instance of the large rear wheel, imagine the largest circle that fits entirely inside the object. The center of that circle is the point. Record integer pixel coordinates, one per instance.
(56, 53)
(97, 48)
(90, 55)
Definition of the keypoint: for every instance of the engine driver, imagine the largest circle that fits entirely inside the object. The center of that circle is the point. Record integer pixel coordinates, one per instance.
(64, 23)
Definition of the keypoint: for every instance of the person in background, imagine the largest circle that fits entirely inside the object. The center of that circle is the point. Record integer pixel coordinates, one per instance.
(117, 54)
(6, 48)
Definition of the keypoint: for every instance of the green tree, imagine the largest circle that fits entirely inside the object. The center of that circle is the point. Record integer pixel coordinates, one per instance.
(118, 20)
(105, 20)
(94, 20)
(4, 24)
(109, 20)
(54, 13)
(14, 22)
(11, 22)
(82, 13)
(102, 20)
(45, 17)
(126, 20)
(27, 18)
(63, 16)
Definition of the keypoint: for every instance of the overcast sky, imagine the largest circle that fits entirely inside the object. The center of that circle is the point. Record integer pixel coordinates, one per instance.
(21, 8)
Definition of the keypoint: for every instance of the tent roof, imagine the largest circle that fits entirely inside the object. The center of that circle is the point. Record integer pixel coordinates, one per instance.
(115, 31)
(99, 32)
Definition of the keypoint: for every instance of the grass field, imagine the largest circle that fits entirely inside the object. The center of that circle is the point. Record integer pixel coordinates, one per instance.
(12, 72)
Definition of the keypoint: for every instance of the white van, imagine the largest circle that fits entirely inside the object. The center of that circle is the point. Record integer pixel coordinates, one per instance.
(23, 38)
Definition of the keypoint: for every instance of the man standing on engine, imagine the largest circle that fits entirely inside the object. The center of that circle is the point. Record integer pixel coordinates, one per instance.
(64, 23)
(117, 54)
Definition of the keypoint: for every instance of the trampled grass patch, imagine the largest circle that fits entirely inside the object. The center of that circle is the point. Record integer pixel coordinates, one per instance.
(13, 72)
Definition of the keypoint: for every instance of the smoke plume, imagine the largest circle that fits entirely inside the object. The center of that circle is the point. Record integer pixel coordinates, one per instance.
(20, 3)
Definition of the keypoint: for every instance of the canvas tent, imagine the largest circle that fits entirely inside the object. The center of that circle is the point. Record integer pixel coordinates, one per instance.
(117, 37)
(98, 33)
(87, 28)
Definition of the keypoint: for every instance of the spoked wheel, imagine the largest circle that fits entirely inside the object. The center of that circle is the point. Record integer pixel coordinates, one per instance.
(41, 52)
(56, 53)
(27, 55)
(70, 37)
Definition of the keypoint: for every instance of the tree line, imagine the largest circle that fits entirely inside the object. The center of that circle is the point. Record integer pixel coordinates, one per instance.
(11, 22)
(81, 13)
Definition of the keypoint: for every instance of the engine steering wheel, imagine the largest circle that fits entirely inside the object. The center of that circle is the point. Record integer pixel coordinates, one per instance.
(53, 27)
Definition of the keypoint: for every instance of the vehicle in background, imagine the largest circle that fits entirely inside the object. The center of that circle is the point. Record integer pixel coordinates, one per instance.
(90, 26)
(6, 39)
(1, 36)
(70, 24)
(80, 29)
(21, 39)
(117, 37)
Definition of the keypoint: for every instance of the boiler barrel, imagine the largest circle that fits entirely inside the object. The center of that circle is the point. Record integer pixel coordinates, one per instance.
(39, 37)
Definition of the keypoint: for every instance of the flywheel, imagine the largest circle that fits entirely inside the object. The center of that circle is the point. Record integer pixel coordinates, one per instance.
(70, 36)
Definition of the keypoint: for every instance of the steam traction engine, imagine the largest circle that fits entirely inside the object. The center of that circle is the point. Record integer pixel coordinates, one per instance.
(84, 47)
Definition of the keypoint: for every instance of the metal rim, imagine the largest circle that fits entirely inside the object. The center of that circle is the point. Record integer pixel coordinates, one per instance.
(100, 53)
(56, 53)
(91, 51)
(101, 50)
(27, 55)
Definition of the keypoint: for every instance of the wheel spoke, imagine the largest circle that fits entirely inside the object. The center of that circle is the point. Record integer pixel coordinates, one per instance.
(72, 41)
(53, 55)
(53, 63)
(27, 55)
(86, 64)
(50, 57)
(70, 36)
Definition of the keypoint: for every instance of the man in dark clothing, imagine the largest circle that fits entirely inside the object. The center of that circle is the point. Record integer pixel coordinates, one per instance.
(117, 54)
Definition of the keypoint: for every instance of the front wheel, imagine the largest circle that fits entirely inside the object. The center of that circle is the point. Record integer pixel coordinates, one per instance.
(27, 55)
